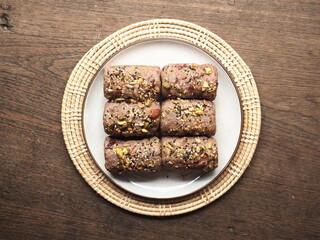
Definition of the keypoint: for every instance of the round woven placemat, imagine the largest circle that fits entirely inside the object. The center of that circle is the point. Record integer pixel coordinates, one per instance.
(84, 73)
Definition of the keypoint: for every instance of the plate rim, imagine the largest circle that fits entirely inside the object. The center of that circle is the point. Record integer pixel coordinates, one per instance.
(83, 72)
(141, 42)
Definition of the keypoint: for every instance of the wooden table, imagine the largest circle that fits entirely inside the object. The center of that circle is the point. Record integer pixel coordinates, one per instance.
(44, 197)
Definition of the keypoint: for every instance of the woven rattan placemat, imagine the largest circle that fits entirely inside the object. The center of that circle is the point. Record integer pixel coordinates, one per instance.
(87, 68)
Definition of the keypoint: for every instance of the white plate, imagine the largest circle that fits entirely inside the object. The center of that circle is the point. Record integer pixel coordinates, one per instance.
(165, 184)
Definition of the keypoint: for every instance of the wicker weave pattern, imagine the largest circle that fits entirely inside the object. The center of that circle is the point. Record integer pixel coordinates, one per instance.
(84, 73)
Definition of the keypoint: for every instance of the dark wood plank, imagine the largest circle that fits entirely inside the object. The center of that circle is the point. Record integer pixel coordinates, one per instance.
(43, 196)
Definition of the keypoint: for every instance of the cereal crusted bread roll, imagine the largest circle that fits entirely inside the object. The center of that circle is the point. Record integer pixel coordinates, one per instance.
(188, 117)
(131, 119)
(189, 153)
(189, 81)
(132, 82)
(132, 155)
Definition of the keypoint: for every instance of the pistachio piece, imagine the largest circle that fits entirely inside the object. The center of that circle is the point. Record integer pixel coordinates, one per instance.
(144, 130)
(166, 85)
(177, 86)
(122, 123)
(119, 152)
(208, 70)
(203, 147)
(125, 150)
(110, 90)
(205, 84)
(148, 102)
(199, 112)
(141, 105)
(169, 146)
(120, 99)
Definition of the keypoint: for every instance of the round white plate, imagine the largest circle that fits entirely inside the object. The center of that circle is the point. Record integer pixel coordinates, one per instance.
(165, 184)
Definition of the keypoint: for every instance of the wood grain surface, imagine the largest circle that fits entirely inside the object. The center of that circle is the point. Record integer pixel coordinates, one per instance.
(42, 195)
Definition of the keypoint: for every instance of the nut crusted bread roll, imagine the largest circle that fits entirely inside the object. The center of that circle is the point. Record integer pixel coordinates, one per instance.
(189, 81)
(132, 81)
(188, 117)
(131, 119)
(189, 153)
(133, 155)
